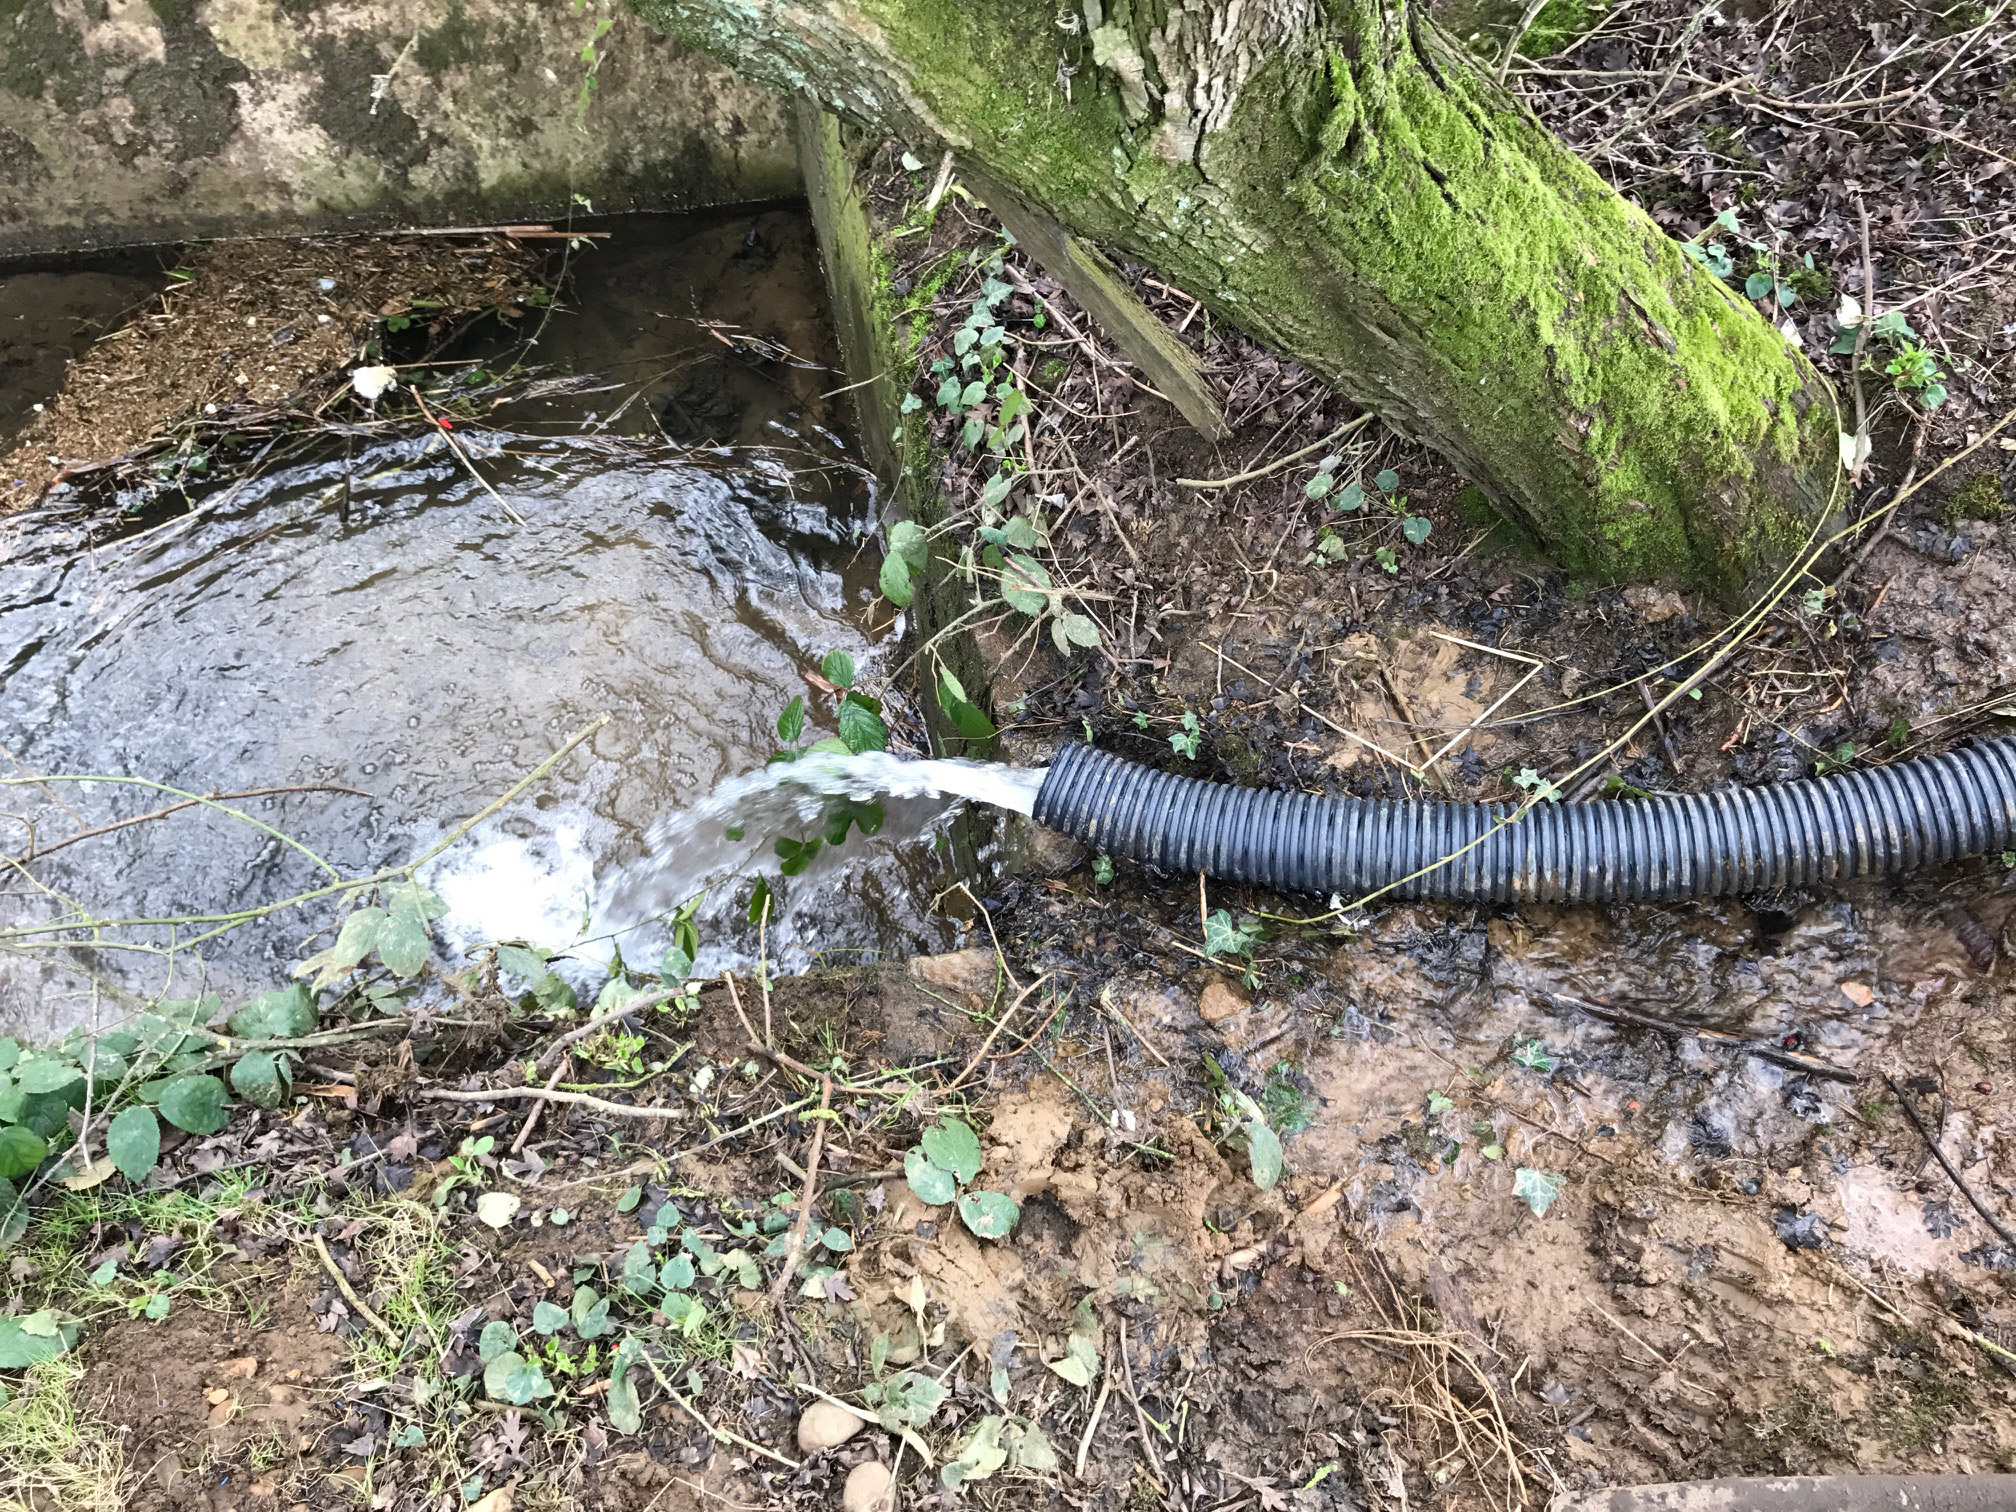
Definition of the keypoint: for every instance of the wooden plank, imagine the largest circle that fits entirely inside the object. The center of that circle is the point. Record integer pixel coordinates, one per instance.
(1097, 285)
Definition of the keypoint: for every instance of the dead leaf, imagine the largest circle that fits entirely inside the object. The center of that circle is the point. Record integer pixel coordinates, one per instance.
(91, 1175)
(497, 1501)
(1858, 994)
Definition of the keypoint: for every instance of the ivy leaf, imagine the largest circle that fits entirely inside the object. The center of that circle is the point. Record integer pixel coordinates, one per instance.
(285, 1014)
(21, 1150)
(931, 1183)
(133, 1140)
(991, 1215)
(547, 1319)
(194, 1103)
(514, 1379)
(1078, 629)
(497, 1339)
(952, 1146)
(625, 1414)
(262, 1078)
(1319, 485)
(639, 1269)
(1538, 1189)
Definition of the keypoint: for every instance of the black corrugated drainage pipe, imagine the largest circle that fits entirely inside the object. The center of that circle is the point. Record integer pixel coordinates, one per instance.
(1730, 840)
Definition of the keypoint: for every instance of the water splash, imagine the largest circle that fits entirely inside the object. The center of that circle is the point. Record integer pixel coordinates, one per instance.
(717, 843)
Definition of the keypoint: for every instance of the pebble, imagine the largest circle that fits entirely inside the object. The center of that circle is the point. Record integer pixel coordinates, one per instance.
(870, 1488)
(824, 1426)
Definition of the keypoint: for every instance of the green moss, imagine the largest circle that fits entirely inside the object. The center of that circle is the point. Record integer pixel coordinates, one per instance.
(172, 12)
(1814, 285)
(1979, 498)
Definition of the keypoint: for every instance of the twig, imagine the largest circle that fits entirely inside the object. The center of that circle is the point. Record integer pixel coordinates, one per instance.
(1098, 1410)
(797, 1249)
(1279, 463)
(1140, 1417)
(357, 1304)
(1862, 340)
(546, 1094)
(456, 447)
(1946, 1165)
(1526, 20)
(532, 1119)
(994, 1033)
(940, 184)
(36, 854)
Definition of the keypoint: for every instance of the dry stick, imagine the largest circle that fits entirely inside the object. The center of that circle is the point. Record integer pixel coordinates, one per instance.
(1947, 1165)
(456, 447)
(1862, 339)
(1140, 1417)
(544, 1094)
(999, 956)
(1349, 426)
(1526, 20)
(1098, 1410)
(995, 1033)
(797, 1249)
(735, 999)
(532, 1118)
(1958, 53)
(35, 854)
(356, 1302)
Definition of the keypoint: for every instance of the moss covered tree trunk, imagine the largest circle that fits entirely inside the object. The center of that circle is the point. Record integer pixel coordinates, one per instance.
(1339, 183)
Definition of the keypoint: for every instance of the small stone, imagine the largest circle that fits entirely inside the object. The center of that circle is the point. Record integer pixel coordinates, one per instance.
(870, 1488)
(970, 974)
(825, 1426)
(216, 1396)
(1221, 1001)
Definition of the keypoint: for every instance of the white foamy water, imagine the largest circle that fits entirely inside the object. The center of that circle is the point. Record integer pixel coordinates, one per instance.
(543, 889)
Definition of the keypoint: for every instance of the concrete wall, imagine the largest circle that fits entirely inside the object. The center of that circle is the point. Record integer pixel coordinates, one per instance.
(127, 121)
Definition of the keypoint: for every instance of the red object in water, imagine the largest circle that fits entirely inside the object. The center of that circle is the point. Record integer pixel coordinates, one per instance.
(443, 424)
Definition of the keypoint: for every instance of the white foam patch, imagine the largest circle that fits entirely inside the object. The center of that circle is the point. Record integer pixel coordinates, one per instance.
(535, 889)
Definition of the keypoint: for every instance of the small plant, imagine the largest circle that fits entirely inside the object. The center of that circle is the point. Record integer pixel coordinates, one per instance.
(1542, 789)
(1245, 1125)
(1102, 870)
(1532, 1054)
(1185, 741)
(947, 1160)
(1912, 370)
(1840, 759)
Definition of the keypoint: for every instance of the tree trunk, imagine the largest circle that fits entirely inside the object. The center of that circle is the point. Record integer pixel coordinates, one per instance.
(1332, 178)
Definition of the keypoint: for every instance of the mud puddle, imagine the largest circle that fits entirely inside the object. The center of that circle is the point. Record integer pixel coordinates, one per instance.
(377, 643)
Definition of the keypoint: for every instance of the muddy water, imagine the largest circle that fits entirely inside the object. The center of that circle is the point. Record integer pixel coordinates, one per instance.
(379, 632)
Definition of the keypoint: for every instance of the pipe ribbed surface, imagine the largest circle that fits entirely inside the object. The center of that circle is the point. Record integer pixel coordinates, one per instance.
(1673, 845)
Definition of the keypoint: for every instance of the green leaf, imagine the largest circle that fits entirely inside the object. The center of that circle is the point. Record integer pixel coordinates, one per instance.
(1438, 1103)
(1263, 1154)
(523, 962)
(838, 669)
(21, 1150)
(133, 1140)
(932, 1184)
(979, 1456)
(1025, 584)
(639, 1269)
(262, 1078)
(1538, 1189)
(1757, 285)
(908, 1399)
(861, 727)
(32, 1339)
(1078, 629)
(973, 394)
(514, 1379)
(625, 1414)
(157, 1307)
(358, 937)
(497, 1339)
(404, 944)
(837, 1239)
(953, 1146)
(1350, 497)
(1320, 485)
(286, 1014)
(791, 723)
(908, 541)
(46, 1074)
(627, 1203)
(991, 1215)
(894, 581)
(13, 1214)
(194, 1103)
(1222, 937)
(1416, 528)
(547, 1319)
(1387, 481)
(10, 1052)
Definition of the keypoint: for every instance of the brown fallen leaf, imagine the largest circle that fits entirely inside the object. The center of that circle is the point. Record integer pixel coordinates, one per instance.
(497, 1501)
(1858, 994)
(92, 1175)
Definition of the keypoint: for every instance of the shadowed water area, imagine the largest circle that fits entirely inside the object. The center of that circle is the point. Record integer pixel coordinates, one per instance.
(377, 631)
